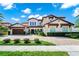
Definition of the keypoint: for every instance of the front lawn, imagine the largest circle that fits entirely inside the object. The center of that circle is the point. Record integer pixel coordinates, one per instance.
(33, 53)
(32, 42)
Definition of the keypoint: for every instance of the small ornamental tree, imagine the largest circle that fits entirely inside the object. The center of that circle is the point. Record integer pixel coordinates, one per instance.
(16, 41)
(6, 40)
(26, 40)
(37, 41)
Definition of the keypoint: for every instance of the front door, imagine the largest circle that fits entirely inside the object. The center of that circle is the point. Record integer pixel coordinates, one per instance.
(32, 31)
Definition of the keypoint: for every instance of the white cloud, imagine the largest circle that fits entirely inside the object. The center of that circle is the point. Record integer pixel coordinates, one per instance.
(27, 11)
(7, 5)
(36, 16)
(67, 5)
(15, 19)
(76, 12)
(54, 5)
(40, 17)
(23, 16)
(31, 16)
(39, 9)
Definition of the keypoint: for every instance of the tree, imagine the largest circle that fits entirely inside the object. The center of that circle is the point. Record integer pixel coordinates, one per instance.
(77, 21)
(2, 28)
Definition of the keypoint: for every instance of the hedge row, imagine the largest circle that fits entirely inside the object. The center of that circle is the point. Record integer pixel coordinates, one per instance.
(66, 34)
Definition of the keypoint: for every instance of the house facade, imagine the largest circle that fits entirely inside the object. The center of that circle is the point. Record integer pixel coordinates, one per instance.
(34, 25)
(56, 24)
(47, 24)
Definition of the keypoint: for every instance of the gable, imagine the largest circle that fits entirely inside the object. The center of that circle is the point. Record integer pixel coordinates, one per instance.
(59, 21)
(33, 20)
(17, 25)
(47, 20)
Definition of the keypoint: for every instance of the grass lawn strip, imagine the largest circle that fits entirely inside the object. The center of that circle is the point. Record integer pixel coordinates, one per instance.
(32, 53)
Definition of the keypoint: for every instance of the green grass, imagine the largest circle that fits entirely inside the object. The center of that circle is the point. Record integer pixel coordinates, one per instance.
(32, 53)
(22, 43)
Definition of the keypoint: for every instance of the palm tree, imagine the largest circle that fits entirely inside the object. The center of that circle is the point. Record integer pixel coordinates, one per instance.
(1, 17)
(77, 21)
(2, 28)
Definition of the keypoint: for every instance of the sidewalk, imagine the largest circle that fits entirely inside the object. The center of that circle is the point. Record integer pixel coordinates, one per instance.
(72, 50)
(39, 48)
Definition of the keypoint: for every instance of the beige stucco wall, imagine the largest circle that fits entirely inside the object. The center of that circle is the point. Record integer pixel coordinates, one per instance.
(46, 29)
(58, 29)
(35, 28)
(45, 20)
(59, 22)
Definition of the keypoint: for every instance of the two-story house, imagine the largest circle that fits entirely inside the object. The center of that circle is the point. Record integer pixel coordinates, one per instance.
(50, 23)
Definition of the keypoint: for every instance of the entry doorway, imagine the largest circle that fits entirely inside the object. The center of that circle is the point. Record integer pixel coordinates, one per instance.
(32, 31)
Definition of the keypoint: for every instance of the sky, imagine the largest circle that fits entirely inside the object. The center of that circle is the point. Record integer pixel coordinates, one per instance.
(21, 12)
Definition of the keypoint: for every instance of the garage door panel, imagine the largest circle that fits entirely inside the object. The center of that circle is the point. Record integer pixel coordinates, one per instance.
(18, 31)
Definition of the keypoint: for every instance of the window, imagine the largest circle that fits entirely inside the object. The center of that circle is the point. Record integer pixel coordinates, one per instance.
(53, 29)
(64, 29)
(32, 23)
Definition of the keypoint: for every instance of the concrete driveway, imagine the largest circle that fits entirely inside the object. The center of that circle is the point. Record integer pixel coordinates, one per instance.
(62, 40)
(56, 40)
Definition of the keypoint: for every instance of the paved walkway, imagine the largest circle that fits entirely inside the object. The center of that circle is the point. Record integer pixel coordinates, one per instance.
(56, 40)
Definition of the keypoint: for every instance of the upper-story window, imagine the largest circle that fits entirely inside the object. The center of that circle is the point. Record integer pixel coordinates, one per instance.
(32, 23)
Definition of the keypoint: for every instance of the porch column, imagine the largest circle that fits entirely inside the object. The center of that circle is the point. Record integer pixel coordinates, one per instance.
(30, 31)
(59, 27)
(26, 31)
(11, 32)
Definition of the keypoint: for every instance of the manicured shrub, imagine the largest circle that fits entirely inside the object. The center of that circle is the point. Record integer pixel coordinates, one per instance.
(16, 41)
(64, 34)
(26, 40)
(56, 33)
(6, 40)
(74, 35)
(42, 34)
(37, 41)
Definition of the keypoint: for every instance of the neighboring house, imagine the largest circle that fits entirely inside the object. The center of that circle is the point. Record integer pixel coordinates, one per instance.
(47, 24)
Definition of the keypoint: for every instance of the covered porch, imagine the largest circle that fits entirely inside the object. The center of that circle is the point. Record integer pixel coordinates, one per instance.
(35, 29)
